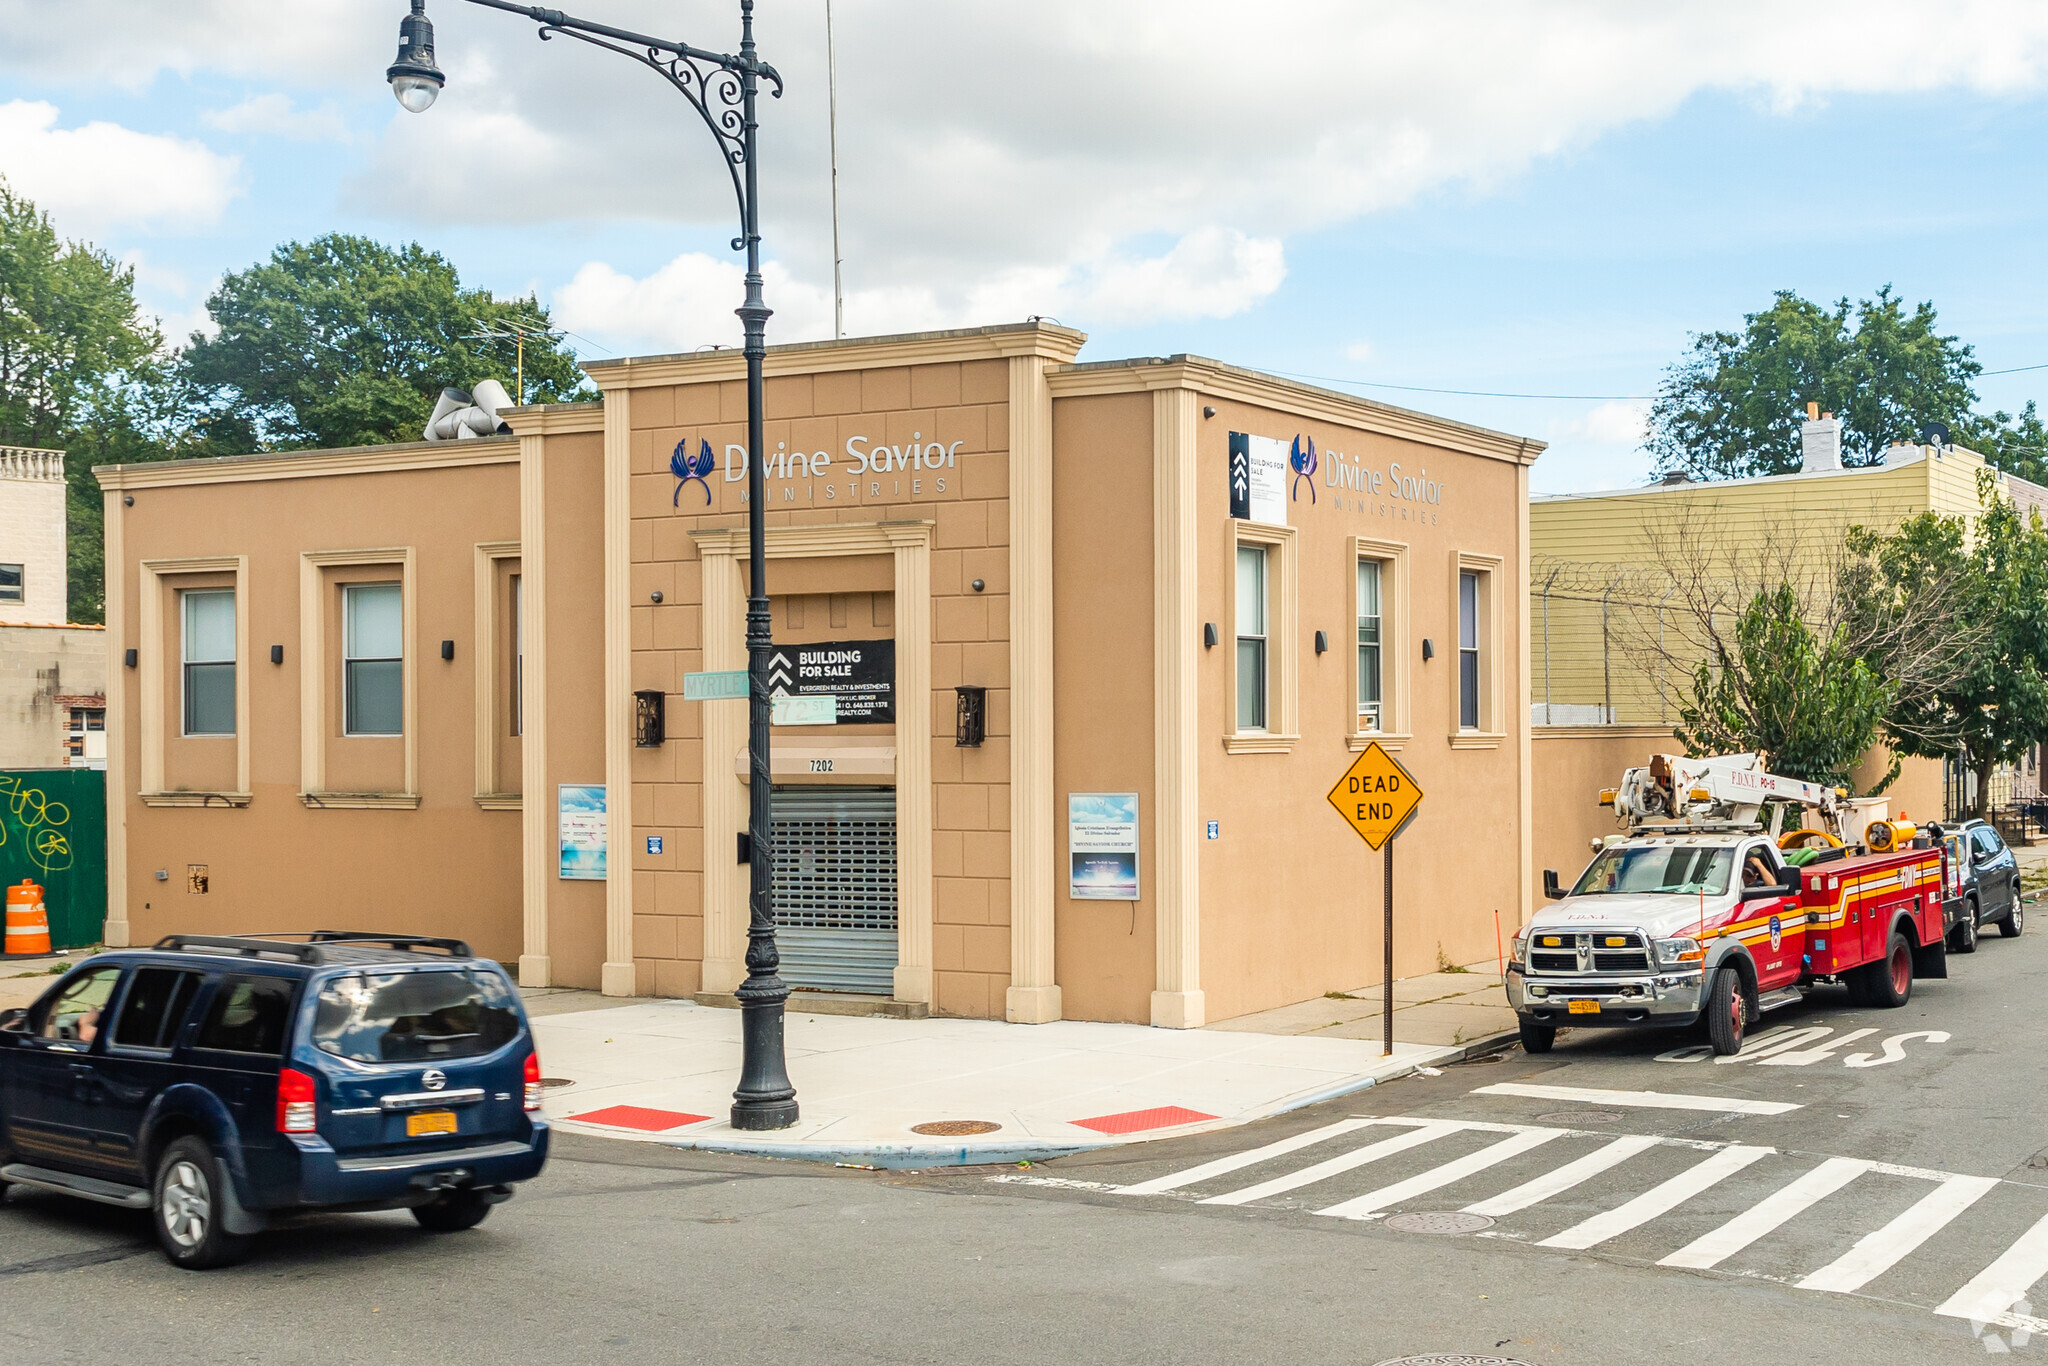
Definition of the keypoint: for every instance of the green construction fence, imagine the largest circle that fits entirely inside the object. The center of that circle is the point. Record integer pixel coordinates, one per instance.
(53, 831)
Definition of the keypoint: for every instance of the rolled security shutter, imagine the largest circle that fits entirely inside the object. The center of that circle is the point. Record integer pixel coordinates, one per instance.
(835, 887)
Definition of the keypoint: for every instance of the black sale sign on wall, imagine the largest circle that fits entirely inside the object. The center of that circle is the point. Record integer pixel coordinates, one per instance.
(860, 675)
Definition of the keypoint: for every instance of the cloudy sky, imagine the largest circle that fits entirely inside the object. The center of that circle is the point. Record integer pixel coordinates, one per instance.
(1517, 198)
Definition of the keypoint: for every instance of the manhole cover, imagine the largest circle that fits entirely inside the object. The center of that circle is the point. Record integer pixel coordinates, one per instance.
(551, 1083)
(1482, 1059)
(1451, 1221)
(955, 1128)
(1452, 1359)
(1580, 1117)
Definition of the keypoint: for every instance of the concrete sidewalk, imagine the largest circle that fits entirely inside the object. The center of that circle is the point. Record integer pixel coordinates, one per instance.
(945, 1092)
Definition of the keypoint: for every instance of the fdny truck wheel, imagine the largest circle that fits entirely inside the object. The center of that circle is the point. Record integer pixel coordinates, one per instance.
(1963, 938)
(1537, 1038)
(1727, 1012)
(1889, 984)
(2015, 920)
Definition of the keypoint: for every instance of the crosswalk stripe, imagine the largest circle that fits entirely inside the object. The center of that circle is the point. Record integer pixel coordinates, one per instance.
(1344, 1162)
(2005, 1282)
(1658, 1200)
(1564, 1178)
(1222, 1165)
(1437, 1177)
(1879, 1251)
(1654, 1100)
(1767, 1214)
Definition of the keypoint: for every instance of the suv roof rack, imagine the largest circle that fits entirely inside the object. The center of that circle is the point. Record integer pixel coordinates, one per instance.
(309, 946)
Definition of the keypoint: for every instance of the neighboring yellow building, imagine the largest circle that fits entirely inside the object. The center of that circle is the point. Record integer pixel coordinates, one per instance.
(1602, 601)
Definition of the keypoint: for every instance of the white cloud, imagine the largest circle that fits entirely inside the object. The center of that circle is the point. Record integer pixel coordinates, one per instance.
(275, 115)
(100, 175)
(127, 43)
(1615, 423)
(1361, 351)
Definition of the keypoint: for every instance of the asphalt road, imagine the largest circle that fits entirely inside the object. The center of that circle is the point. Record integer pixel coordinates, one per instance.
(1904, 1176)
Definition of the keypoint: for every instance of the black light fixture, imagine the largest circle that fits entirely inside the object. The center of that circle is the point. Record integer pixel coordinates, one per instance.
(414, 77)
(277, 654)
(128, 658)
(1208, 635)
(970, 716)
(447, 649)
(723, 88)
(1428, 649)
(650, 718)
(1322, 643)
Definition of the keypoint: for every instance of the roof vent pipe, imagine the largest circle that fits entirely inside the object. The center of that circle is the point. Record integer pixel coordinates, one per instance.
(460, 416)
(1820, 441)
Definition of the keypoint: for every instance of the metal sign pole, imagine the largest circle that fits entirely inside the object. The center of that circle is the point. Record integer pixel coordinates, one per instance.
(1387, 970)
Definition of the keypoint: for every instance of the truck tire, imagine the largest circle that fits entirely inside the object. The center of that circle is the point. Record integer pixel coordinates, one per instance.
(188, 1206)
(1537, 1038)
(453, 1212)
(1963, 938)
(1727, 1013)
(1887, 983)
(2014, 921)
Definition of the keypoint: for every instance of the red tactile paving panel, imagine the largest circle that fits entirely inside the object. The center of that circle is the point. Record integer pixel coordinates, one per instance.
(637, 1117)
(1136, 1121)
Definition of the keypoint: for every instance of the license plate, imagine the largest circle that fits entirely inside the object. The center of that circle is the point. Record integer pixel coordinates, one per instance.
(1584, 1007)
(443, 1121)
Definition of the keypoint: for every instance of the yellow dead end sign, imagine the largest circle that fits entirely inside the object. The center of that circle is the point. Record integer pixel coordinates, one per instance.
(1376, 795)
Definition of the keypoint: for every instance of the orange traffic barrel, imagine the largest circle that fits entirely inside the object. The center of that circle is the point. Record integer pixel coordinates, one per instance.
(28, 924)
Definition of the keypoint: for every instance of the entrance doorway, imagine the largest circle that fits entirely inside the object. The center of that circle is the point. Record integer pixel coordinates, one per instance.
(835, 887)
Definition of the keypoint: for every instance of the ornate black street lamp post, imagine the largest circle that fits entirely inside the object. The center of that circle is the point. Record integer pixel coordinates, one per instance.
(722, 89)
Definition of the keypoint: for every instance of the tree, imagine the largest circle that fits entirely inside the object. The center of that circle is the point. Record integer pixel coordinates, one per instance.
(1996, 572)
(1733, 407)
(1807, 702)
(343, 341)
(78, 367)
(2017, 445)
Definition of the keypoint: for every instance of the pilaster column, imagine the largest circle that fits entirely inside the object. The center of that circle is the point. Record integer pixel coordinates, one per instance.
(537, 799)
(912, 554)
(725, 800)
(1034, 996)
(116, 932)
(1177, 996)
(617, 978)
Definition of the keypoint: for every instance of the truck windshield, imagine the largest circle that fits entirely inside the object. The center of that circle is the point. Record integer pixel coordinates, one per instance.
(1685, 871)
(415, 1016)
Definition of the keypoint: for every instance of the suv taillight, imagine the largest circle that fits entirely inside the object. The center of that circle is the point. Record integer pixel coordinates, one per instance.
(295, 1113)
(533, 1081)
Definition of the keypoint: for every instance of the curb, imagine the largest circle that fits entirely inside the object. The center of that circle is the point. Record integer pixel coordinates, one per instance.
(886, 1156)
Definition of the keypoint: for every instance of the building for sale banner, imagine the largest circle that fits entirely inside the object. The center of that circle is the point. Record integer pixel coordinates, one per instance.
(1072, 654)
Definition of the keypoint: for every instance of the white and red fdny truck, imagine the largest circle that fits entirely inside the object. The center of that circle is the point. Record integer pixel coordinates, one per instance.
(1709, 909)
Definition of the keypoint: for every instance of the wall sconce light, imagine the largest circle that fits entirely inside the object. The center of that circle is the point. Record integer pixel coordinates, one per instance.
(650, 723)
(1208, 410)
(1208, 635)
(970, 716)
(978, 585)
(655, 596)
(277, 654)
(127, 500)
(1322, 643)
(447, 649)
(128, 658)
(1428, 649)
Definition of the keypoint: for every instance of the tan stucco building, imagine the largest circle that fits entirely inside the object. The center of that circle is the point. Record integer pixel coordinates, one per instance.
(436, 649)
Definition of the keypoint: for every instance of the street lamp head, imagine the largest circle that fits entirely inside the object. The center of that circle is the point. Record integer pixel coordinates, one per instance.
(414, 77)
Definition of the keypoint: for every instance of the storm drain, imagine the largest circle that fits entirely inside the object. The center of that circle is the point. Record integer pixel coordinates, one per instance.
(555, 1083)
(1447, 1221)
(1453, 1359)
(955, 1128)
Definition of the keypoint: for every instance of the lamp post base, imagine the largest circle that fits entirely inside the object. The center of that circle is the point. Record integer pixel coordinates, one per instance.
(765, 1099)
(765, 1115)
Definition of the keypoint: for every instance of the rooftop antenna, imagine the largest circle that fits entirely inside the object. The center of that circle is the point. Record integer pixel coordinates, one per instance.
(832, 120)
(516, 330)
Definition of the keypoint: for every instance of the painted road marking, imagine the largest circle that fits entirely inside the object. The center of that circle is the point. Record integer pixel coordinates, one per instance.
(1658, 1200)
(1472, 1164)
(1880, 1251)
(1655, 1100)
(1783, 1046)
(1767, 1214)
(1222, 1165)
(1806, 1057)
(1372, 1152)
(1564, 1178)
(2005, 1282)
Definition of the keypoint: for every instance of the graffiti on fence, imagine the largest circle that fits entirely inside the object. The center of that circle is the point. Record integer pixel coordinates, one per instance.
(28, 815)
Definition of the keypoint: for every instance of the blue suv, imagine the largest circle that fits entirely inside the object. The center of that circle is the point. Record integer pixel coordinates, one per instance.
(220, 1082)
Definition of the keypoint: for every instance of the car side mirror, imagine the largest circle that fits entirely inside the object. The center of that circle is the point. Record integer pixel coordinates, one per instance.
(1551, 888)
(14, 1021)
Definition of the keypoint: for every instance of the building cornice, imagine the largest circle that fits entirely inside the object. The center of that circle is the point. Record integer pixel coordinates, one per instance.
(238, 469)
(1058, 345)
(556, 419)
(1214, 379)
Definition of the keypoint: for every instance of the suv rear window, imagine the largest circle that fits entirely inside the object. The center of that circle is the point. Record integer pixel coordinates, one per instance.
(248, 1015)
(415, 1016)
